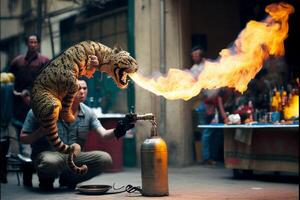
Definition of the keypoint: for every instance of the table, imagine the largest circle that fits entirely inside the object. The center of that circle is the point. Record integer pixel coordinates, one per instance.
(265, 147)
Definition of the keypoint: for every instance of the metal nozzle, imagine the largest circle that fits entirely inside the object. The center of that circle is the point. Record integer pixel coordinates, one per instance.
(148, 116)
(133, 117)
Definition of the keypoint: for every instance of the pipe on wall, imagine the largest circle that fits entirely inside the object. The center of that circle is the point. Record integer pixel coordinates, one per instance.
(162, 123)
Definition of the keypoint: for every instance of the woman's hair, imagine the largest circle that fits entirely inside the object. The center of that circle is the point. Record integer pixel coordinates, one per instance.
(197, 47)
(82, 78)
(26, 37)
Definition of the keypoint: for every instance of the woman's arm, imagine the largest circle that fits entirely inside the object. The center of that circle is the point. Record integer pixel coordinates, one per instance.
(30, 137)
(222, 110)
(105, 134)
(120, 130)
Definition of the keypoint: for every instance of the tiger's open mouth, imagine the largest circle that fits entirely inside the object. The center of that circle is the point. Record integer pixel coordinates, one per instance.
(121, 76)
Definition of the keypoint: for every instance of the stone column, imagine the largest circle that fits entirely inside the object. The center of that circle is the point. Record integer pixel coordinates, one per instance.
(178, 135)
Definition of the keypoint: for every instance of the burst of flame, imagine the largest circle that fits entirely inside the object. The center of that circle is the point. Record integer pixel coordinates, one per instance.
(292, 110)
(235, 67)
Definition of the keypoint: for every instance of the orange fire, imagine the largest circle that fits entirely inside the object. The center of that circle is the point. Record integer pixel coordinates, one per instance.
(235, 67)
(292, 110)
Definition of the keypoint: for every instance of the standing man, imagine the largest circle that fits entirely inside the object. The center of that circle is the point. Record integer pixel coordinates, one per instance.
(25, 69)
(51, 164)
(209, 105)
(197, 56)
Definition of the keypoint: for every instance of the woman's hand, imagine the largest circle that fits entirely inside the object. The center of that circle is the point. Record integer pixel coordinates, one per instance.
(25, 95)
(226, 120)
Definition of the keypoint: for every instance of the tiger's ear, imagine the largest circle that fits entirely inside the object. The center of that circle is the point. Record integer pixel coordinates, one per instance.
(117, 49)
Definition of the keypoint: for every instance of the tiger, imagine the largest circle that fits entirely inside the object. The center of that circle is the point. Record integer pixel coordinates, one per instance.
(55, 87)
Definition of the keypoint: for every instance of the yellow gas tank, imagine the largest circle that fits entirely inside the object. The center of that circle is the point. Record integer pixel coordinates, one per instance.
(154, 165)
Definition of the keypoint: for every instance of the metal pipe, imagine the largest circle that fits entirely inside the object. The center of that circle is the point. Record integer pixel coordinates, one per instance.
(130, 25)
(147, 116)
(162, 123)
(162, 37)
(39, 18)
(133, 117)
(51, 36)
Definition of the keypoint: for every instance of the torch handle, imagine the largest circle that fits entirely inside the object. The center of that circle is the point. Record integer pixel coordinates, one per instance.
(133, 117)
(148, 116)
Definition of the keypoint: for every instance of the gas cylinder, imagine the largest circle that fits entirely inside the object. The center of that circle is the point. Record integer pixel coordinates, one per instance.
(154, 165)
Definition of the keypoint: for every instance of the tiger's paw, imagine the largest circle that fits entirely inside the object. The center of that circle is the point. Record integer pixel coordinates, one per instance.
(76, 149)
(83, 169)
(67, 117)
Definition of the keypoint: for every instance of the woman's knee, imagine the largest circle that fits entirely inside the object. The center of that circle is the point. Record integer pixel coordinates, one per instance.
(49, 163)
(102, 159)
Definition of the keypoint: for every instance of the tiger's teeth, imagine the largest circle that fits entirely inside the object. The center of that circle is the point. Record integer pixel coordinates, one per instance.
(124, 77)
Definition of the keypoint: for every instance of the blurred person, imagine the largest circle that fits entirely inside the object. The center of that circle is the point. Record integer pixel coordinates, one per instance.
(218, 104)
(197, 56)
(25, 69)
(198, 107)
(207, 137)
(255, 102)
(51, 164)
(206, 105)
(228, 100)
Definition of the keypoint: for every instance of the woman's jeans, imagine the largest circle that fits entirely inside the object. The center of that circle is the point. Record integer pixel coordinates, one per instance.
(50, 165)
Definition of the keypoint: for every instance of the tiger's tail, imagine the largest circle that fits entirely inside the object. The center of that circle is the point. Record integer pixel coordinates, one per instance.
(75, 150)
(48, 114)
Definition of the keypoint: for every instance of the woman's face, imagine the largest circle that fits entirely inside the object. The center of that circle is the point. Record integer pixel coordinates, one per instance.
(82, 91)
(197, 56)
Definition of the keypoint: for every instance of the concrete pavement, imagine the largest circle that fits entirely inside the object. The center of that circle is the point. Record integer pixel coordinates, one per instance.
(194, 182)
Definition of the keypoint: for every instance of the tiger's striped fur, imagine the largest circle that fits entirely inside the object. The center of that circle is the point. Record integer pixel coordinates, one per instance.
(55, 87)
